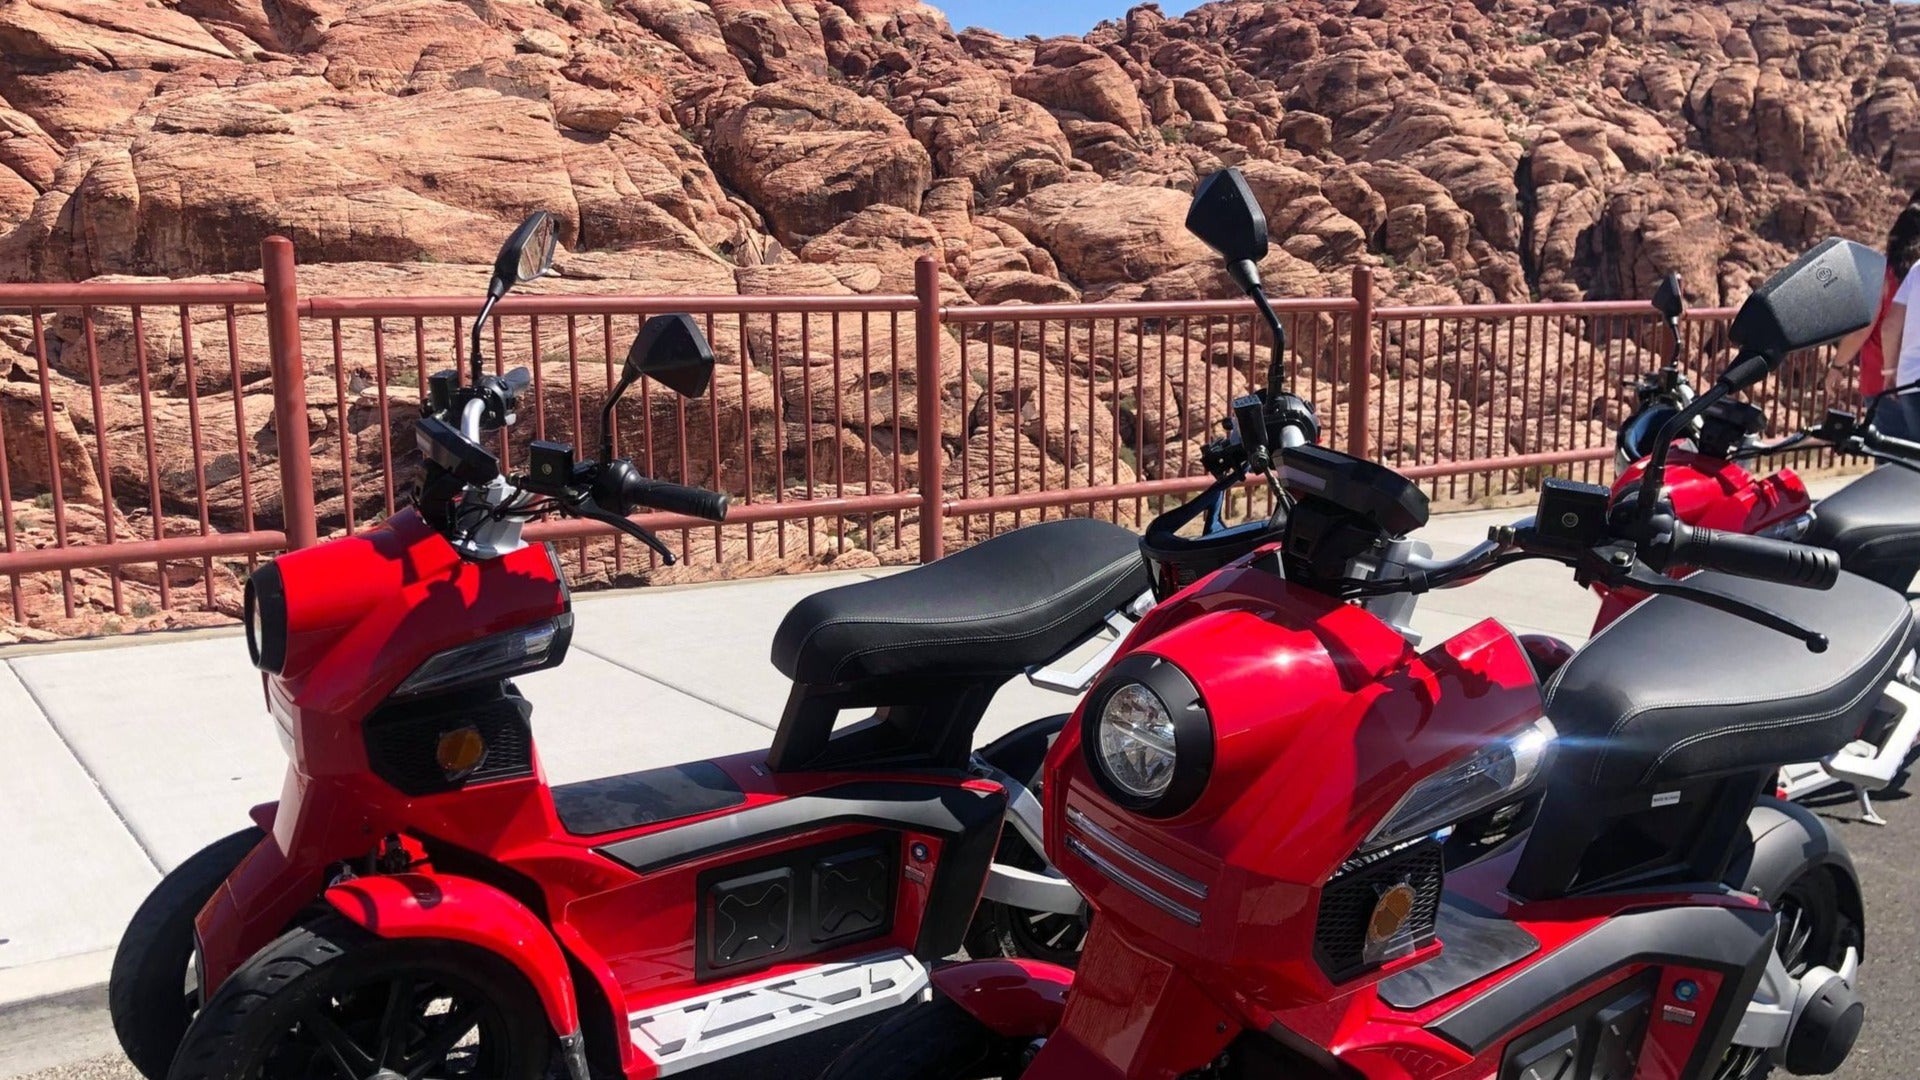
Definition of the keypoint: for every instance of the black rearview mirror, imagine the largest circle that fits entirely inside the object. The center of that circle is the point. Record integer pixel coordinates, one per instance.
(671, 350)
(526, 255)
(1669, 300)
(1226, 217)
(1826, 294)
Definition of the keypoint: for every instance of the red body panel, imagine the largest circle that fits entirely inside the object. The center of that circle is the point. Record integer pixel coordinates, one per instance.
(1035, 994)
(365, 612)
(1711, 493)
(442, 906)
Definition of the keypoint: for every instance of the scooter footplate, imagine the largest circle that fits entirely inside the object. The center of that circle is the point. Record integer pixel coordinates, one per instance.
(705, 1029)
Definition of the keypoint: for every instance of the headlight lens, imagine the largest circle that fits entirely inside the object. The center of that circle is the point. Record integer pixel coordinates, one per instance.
(1137, 749)
(529, 648)
(1492, 775)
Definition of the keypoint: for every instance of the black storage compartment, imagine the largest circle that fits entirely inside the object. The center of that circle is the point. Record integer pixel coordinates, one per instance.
(796, 903)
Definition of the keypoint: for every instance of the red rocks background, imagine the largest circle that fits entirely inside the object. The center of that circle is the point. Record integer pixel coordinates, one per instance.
(1499, 150)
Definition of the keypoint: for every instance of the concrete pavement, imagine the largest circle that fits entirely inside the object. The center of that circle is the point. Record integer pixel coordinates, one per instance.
(120, 762)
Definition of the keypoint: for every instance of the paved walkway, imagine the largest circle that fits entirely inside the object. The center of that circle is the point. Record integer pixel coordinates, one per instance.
(118, 762)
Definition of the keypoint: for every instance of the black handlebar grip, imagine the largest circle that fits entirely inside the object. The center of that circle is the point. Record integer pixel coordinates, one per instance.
(1761, 557)
(675, 498)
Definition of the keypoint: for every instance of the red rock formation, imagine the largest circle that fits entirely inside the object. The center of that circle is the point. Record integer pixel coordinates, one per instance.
(1473, 149)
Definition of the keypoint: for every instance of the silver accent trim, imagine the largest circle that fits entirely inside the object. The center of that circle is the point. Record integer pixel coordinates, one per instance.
(1165, 875)
(1119, 623)
(1121, 878)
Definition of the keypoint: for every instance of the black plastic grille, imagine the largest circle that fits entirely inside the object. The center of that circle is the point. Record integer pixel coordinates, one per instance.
(403, 739)
(1348, 901)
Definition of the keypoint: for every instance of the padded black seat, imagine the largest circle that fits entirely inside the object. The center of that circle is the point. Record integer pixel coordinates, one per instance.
(1001, 606)
(1675, 690)
(1874, 523)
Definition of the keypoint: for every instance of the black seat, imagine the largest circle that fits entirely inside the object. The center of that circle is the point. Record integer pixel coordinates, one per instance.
(1675, 690)
(998, 607)
(1874, 523)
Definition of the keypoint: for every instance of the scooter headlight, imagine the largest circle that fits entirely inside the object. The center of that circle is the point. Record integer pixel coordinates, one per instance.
(265, 608)
(1489, 777)
(1149, 737)
(1137, 747)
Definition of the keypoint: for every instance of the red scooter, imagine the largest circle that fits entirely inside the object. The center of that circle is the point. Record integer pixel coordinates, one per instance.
(1873, 523)
(1258, 798)
(420, 902)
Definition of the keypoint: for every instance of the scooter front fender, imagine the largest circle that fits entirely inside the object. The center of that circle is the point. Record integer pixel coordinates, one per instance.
(1018, 999)
(461, 909)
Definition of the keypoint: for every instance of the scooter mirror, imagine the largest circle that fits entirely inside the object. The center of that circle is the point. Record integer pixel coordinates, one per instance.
(1668, 299)
(1826, 294)
(1226, 217)
(672, 350)
(526, 255)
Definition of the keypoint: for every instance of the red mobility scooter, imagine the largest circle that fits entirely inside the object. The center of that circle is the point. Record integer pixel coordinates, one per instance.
(1260, 799)
(1873, 523)
(421, 903)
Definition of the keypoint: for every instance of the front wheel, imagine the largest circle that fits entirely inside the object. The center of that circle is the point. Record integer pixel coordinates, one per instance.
(929, 1040)
(329, 1001)
(1815, 930)
(153, 990)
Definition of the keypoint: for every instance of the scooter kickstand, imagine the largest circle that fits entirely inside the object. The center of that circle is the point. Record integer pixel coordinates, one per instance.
(1867, 813)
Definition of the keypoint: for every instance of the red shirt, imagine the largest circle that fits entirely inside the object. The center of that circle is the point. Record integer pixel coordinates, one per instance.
(1872, 356)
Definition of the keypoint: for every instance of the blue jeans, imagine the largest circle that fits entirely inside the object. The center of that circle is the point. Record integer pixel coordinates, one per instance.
(1899, 416)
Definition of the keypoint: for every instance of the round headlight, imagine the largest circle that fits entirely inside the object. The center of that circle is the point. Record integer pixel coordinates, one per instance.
(266, 617)
(1147, 737)
(1137, 745)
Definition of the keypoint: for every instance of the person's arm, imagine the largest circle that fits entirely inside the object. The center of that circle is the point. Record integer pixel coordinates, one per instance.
(1851, 344)
(1890, 339)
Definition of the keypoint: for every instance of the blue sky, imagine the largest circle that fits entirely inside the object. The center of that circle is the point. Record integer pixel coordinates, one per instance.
(1044, 17)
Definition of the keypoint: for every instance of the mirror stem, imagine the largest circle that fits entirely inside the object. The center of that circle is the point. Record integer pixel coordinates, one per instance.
(479, 321)
(1745, 370)
(606, 419)
(1276, 357)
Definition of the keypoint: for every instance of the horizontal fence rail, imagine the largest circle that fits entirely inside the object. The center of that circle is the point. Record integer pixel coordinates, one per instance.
(159, 439)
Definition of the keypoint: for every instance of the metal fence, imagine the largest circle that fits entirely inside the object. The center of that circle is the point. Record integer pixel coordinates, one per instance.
(158, 439)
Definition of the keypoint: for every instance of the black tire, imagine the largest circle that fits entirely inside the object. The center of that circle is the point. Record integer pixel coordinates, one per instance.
(929, 1040)
(329, 999)
(1815, 929)
(151, 993)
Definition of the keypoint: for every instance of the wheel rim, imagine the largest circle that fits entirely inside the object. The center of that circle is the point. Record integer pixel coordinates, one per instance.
(1042, 935)
(1806, 920)
(390, 1028)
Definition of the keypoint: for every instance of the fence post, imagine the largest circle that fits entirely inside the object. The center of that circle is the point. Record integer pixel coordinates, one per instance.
(1360, 363)
(289, 392)
(926, 367)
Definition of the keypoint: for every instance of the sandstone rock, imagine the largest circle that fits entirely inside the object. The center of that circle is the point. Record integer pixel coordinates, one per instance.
(1109, 233)
(812, 155)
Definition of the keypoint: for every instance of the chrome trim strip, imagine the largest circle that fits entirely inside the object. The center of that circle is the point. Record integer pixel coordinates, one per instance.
(1124, 880)
(1171, 878)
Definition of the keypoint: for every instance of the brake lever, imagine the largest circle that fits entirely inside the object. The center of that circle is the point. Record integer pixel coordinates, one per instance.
(586, 509)
(1607, 564)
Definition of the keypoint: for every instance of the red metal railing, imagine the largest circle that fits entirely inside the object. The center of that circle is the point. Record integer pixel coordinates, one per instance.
(886, 428)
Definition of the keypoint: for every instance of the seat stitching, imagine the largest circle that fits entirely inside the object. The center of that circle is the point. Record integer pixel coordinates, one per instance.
(1129, 559)
(1872, 687)
(1079, 611)
(1612, 733)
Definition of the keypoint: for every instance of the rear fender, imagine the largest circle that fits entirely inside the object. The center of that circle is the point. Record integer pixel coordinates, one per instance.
(1018, 999)
(460, 909)
(1788, 840)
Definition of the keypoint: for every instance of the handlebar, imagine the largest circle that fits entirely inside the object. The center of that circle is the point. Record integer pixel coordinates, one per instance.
(1761, 557)
(674, 498)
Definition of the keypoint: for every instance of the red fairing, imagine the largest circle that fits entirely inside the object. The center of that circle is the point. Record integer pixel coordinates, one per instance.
(457, 909)
(1324, 717)
(1711, 493)
(1017, 998)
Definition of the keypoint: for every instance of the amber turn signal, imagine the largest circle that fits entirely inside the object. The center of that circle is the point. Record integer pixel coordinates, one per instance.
(461, 752)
